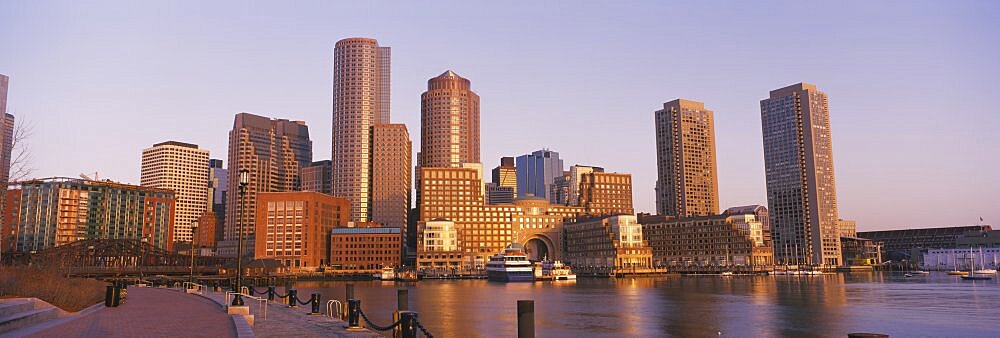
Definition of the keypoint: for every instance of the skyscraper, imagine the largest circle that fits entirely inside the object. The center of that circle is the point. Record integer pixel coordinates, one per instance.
(687, 182)
(505, 174)
(273, 150)
(449, 122)
(801, 189)
(316, 177)
(391, 175)
(537, 171)
(218, 184)
(360, 101)
(606, 194)
(182, 168)
(6, 148)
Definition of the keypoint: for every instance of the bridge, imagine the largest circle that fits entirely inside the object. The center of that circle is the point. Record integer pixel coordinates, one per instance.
(122, 257)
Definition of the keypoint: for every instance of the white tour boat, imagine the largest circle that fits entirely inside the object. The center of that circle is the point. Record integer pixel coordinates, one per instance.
(510, 266)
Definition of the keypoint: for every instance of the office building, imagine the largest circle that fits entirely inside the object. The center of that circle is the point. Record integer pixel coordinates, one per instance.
(6, 145)
(860, 251)
(687, 178)
(449, 122)
(537, 171)
(496, 194)
(439, 249)
(365, 250)
(801, 188)
(361, 71)
(505, 174)
(717, 241)
(273, 151)
(391, 176)
(606, 194)
(11, 212)
(760, 215)
(317, 177)
(183, 168)
(58, 211)
(607, 245)
(294, 227)
(847, 227)
(218, 184)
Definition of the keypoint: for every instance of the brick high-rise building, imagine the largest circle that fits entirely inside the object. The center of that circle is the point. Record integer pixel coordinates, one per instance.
(274, 151)
(801, 188)
(183, 168)
(687, 178)
(360, 101)
(317, 177)
(606, 194)
(365, 249)
(449, 122)
(391, 176)
(294, 227)
(6, 149)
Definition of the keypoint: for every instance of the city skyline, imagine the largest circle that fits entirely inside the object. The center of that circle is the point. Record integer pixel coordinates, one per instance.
(877, 153)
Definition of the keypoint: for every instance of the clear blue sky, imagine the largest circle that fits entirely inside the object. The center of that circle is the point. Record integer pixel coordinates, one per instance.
(912, 85)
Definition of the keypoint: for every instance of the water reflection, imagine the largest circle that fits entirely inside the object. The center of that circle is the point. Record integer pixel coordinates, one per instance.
(801, 306)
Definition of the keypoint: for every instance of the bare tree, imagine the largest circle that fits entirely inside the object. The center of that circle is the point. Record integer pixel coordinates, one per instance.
(21, 161)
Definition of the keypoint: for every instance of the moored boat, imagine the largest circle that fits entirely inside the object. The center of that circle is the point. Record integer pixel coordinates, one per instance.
(512, 265)
(388, 273)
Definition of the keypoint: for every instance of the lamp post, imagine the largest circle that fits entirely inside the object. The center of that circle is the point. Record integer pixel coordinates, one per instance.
(194, 227)
(142, 256)
(244, 180)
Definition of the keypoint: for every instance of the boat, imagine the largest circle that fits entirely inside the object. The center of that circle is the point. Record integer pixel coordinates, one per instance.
(972, 271)
(388, 273)
(553, 270)
(920, 272)
(907, 275)
(408, 276)
(982, 262)
(512, 265)
(726, 274)
(956, 271)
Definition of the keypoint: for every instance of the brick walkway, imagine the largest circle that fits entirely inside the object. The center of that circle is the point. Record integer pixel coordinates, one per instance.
(151, 312)
(283, 321)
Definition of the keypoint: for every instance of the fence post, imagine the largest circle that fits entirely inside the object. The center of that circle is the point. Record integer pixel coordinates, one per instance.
(292, 296)
(353, 314)
(270, 293)
(525, 319)
(315, 304)
(407, 327)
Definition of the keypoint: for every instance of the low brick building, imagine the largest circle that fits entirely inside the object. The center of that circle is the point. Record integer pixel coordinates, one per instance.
(607, 245)
(357, 250)
(294, 227)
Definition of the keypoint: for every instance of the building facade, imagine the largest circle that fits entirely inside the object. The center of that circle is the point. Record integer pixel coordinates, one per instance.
(496, 194)
(761, 216)
(449, 122)
(607, 245)
(183, 168)
(6, 150)
(687, 176)
(391, 176)
(365, 250)
(361, 71)
(317, 177)
(8, 230)
(218, 184)
(847, 227)
(505, 174)
(273, 151)
(606, 194)
(294, 227)
(801, 188)
(707, 242)
(58, 211)
(906, 244)
(537, 171)
(860, 251)
(439, 251)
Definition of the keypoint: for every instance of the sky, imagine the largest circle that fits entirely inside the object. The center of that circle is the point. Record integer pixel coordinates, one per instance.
(912, 85)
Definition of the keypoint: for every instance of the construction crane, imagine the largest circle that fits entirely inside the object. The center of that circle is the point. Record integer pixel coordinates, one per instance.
(84, 176)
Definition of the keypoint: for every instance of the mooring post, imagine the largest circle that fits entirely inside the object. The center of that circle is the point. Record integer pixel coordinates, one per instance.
(291, 297)
(270, 293)
(407, 327)
(353, 314)
(402, 299)
(525, 319)
(315, 304)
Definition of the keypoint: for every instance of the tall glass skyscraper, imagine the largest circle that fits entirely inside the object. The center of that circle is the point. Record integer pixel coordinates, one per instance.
(537, 171)
(801, 189)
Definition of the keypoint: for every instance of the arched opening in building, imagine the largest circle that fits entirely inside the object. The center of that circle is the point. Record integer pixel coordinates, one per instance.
(537, 250)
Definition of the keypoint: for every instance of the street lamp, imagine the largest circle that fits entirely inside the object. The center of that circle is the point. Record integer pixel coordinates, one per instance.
(142, 257)
(194, 227)
(244, 180)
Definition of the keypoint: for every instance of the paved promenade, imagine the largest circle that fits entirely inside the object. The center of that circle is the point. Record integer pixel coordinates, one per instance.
(151, 312)
(283, 321)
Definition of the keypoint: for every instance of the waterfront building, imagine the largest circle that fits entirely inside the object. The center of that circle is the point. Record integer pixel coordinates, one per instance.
(11, 212)
(505, 174)
(760, 215)
(607, 245)
(183, 168)
(559, 190)
(218, 184)
(860, 251)
(365, 250)
(687, 175)
(537, 171)
(317, 177)
(6, 150)
(847, 227)
(274, 151)
(455, 194)
(361, 71)
(439, 250)
(606, 194)
(391, 176)
(58, 211)
(714, 241)
(449, 122)
(205, 235)
(801, 188)
(961, 258)
(497, 194)
(293, 227)
(907, 244)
